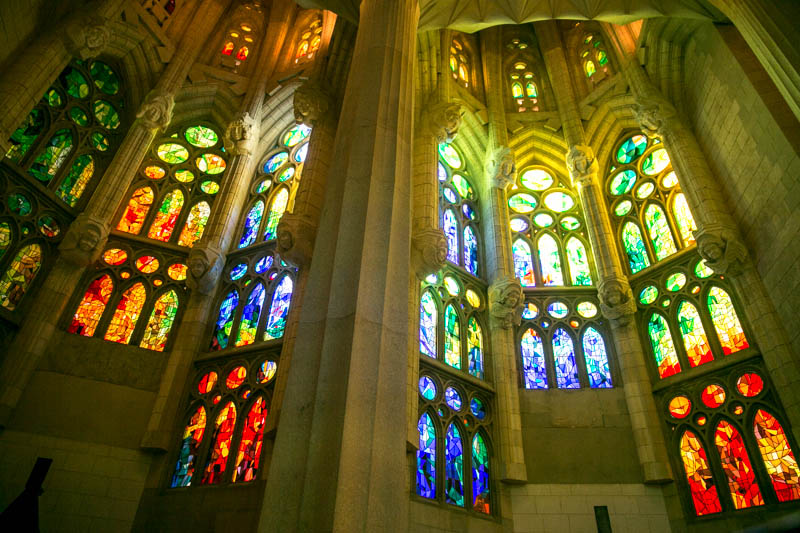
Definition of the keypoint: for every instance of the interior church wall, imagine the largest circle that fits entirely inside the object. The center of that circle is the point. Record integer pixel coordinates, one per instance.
(757, 167)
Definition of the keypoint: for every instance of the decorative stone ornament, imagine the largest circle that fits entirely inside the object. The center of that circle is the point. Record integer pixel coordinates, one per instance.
(442, 120)
(428, 251)
(205, 266)
(506, 301)
(616, 301)
(500, 167)
(156, 110)
(655, 116)
(311, 101)
(87, 37)
(582, 165)
(85, 240)
(296, 234)
(241, 135)
(721, 250)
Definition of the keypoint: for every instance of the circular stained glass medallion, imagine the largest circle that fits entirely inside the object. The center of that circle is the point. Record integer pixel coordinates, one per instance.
(177, 271)
(115, 256)
(522, 203)
(236, 377)
(519, 224)
(463, 187)
(713, 396)
(543, 220)
(184, 176)
(680, 407)
(172, 153)
(452, 398)
(275, 162)
(623, 182)
(450, 155)
(147, 264)
(645, 190)
(655, 162)
(238, 271)
(631, 149)
(427, 388)
(266, 371)
(587, 309)
(648, 295)
(676, 281)
(201, 136)
(209, 187)
(477, 408)
(557, 310)
(570, 223)
(536, 179)
(473, 298)
(559, 201)
(623, 208)
(210, 164)
(530, 311)
(207, 383)
(451, 285)
(750, 385)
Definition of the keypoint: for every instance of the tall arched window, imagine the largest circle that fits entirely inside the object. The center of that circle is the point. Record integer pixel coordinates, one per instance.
(458, 204)
(454, 445)
(274, 187)
(548, 235)
(19, 275)
(594, 58)
(648, 208)
(238, 43)
(174, 195)
(684, 306)
(309, 41)
(460, 64)
(523, 86)
(130, 286)
(232, 451)
(262, 282)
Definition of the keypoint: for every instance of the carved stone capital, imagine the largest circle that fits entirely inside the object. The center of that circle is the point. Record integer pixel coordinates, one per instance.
(500, 167)
(656, 117)
(296, 235)
(241, 135)
(85, 240)
(506, 301)
(721, 249)
(156, 110)
(582, 164)
(442, 120)
(616, 300)
(311, 101)
(86, 37)
(428, 251)
(205, 266)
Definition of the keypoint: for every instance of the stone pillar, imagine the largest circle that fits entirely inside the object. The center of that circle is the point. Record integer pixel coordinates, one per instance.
(339, 454)
(718, 239)
(614, 291)
(207, 259)
(770, 28)
(83, 35)
(88, 234)
(505, 294)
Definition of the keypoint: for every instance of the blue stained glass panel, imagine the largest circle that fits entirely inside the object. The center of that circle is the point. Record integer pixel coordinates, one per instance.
(454, 466)
(470, 251)
(481, 500)
(523, 263)
(564, 355)
(279, 309)
(426, 458)
(594, 351)
(427, 388)
(533, 361)
(263, 264)
(427, 325)
(450, 227)
(452, 398)
(224, 323)
(251, 224)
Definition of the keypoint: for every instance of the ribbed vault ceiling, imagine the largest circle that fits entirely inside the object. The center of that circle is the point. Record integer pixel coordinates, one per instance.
(474, 15)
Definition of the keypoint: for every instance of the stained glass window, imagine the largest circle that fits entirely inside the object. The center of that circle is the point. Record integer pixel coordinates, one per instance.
(133, 218)
(736, 464)
(564, 356)
(660, 234)
(249, 456)
(663, 347)
(481, 497)
(470, 251)
(78, 177)
(250, 315)
(251, 224)
(578, 262)
(166, 216)
(279, 309)
(454, 466)
(475, 348)
(278, 207)
(127, 313)
(550, 261)
(90, 309)
(195, 224)
(426, 458)
(634, 247)
(726, 322)
(309, 41)
(594, 351)
(694, 336)
(684, 219)
(221, 445)
(698, 475)
(190, 445)
(160, 323)
(450, 227)
(533, 366)
(523, 263)
(778, 457)
(459, 62)
(224, 323)
(19, 275)
(452, 337)
(428, 317)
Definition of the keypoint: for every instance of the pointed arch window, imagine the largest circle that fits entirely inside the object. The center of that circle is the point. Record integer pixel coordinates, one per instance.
(454, 466)
(533, 365)
(166, 216)
(160, 323)
(523, 86)
(250, 315)
(427, 326)
(663, 348)
(19, 276)
(460, 63)
(594, 58)
(694, 336)
(224, 322)
(475, 348)
(458, 204)
(91, 307)
(279, 309)
(480, 475)
(594, 350)
(127, 314)
(738, 469)
(237, 43)
(249, 455)
(698, 475)
(309, 41)
(550, 261)
(190, 446)
(426, 457)
(726, 321)
(564, 356)
(452, 337)
(221, 445)
(195, 224)
(138, 206)
(778, 457)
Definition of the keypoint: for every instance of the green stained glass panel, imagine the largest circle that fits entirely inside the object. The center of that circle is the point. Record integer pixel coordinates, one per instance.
(578, 262)
(631, 149)
(660, 234)
(75, 183)
(559, 201)
(47, 163)
(623, 182)
(209, 187)
(634, 247)
(286, 175)
(201, 136)
(19, 204)
(106, 114)
(522, 203)
(104, 78)
(463, 187)
(648, 295)
(676, 281)
(79, 116)
(74, 82)
(172, 153)
(570, 223)
(655, 162)
(295, 135)
(663, 348)
(23, 137)
(623, 208)
(99, 141)
(450, 155)
(184, 176)
(452, 338)
(53, 98)
(701, 270)
(536, 179)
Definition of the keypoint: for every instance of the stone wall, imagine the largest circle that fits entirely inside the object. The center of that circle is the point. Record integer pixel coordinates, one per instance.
(757, 166)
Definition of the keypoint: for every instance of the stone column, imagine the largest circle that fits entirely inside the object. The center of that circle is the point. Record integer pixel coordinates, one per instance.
(614, 291)
(505, 294)
(718, 239)
(339, 457)
(770, 28)
(83, 35)
(88, 233)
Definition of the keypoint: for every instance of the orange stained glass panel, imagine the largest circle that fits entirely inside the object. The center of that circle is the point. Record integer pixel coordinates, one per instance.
(164, 223)
(778, 456)
(160, 323)
(236, 377)
(84, 321)
(248, 458)
(127, 313)
(133, 218)
(221, 448)
(729, 329)
(738, 469)
(698, 475)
